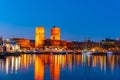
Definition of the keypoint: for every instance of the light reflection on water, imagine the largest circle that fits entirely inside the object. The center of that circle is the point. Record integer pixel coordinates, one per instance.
(60, 67)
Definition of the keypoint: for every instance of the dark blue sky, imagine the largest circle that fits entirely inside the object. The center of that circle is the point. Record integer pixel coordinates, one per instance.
(76, 18)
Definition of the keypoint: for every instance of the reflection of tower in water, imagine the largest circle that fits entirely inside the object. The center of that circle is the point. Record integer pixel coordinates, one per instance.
(39, 69)
(55, 67)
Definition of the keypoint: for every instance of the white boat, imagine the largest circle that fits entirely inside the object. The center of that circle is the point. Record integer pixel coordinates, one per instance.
(87, 53)
(56, 51)
(59, 52)
(36, 51)
(109, 53)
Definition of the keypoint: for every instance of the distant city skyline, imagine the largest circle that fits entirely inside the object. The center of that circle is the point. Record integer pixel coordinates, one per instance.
(77, 19)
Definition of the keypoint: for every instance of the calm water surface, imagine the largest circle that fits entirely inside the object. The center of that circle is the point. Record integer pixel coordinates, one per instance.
(60, 67)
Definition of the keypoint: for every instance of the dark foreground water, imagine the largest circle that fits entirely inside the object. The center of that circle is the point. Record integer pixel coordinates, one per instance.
(60, 67)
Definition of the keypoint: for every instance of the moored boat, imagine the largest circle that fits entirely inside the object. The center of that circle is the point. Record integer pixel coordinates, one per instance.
(109, 53)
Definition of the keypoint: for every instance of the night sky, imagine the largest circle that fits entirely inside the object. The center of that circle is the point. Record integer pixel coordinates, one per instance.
(77, 19)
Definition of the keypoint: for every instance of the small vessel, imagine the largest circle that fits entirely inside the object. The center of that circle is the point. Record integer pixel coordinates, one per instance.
(109, 53)
(55, 51)
(28, 52)
(86, 52)
(59, 52)
(37, 51)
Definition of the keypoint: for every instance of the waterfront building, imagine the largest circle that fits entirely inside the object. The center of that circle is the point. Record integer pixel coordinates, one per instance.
(32, 43)
(1, 45)
(63, 44)
(70, 45)
(22, 42)
(10, 45)
(59, 44)
(0, 39)
(55, 33)
(39, 37)
(53, 42)
(110, 44)
(55, 37)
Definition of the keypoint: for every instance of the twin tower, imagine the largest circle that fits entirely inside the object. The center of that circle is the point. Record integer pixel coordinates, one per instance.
(40, 36)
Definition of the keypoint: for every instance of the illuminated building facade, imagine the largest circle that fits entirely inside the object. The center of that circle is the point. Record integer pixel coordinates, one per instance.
(39, 37)
(1, 45)
(0, 39)
(70, 45)
(32, 43)
(55, 44)
(55, 37)
(55, 33)
(54, 40)
(23, 43)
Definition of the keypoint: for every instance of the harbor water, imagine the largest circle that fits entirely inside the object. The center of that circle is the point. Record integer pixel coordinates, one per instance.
(60, 67)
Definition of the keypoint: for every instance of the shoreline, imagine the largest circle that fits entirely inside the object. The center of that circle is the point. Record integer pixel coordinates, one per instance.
(7, 54)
